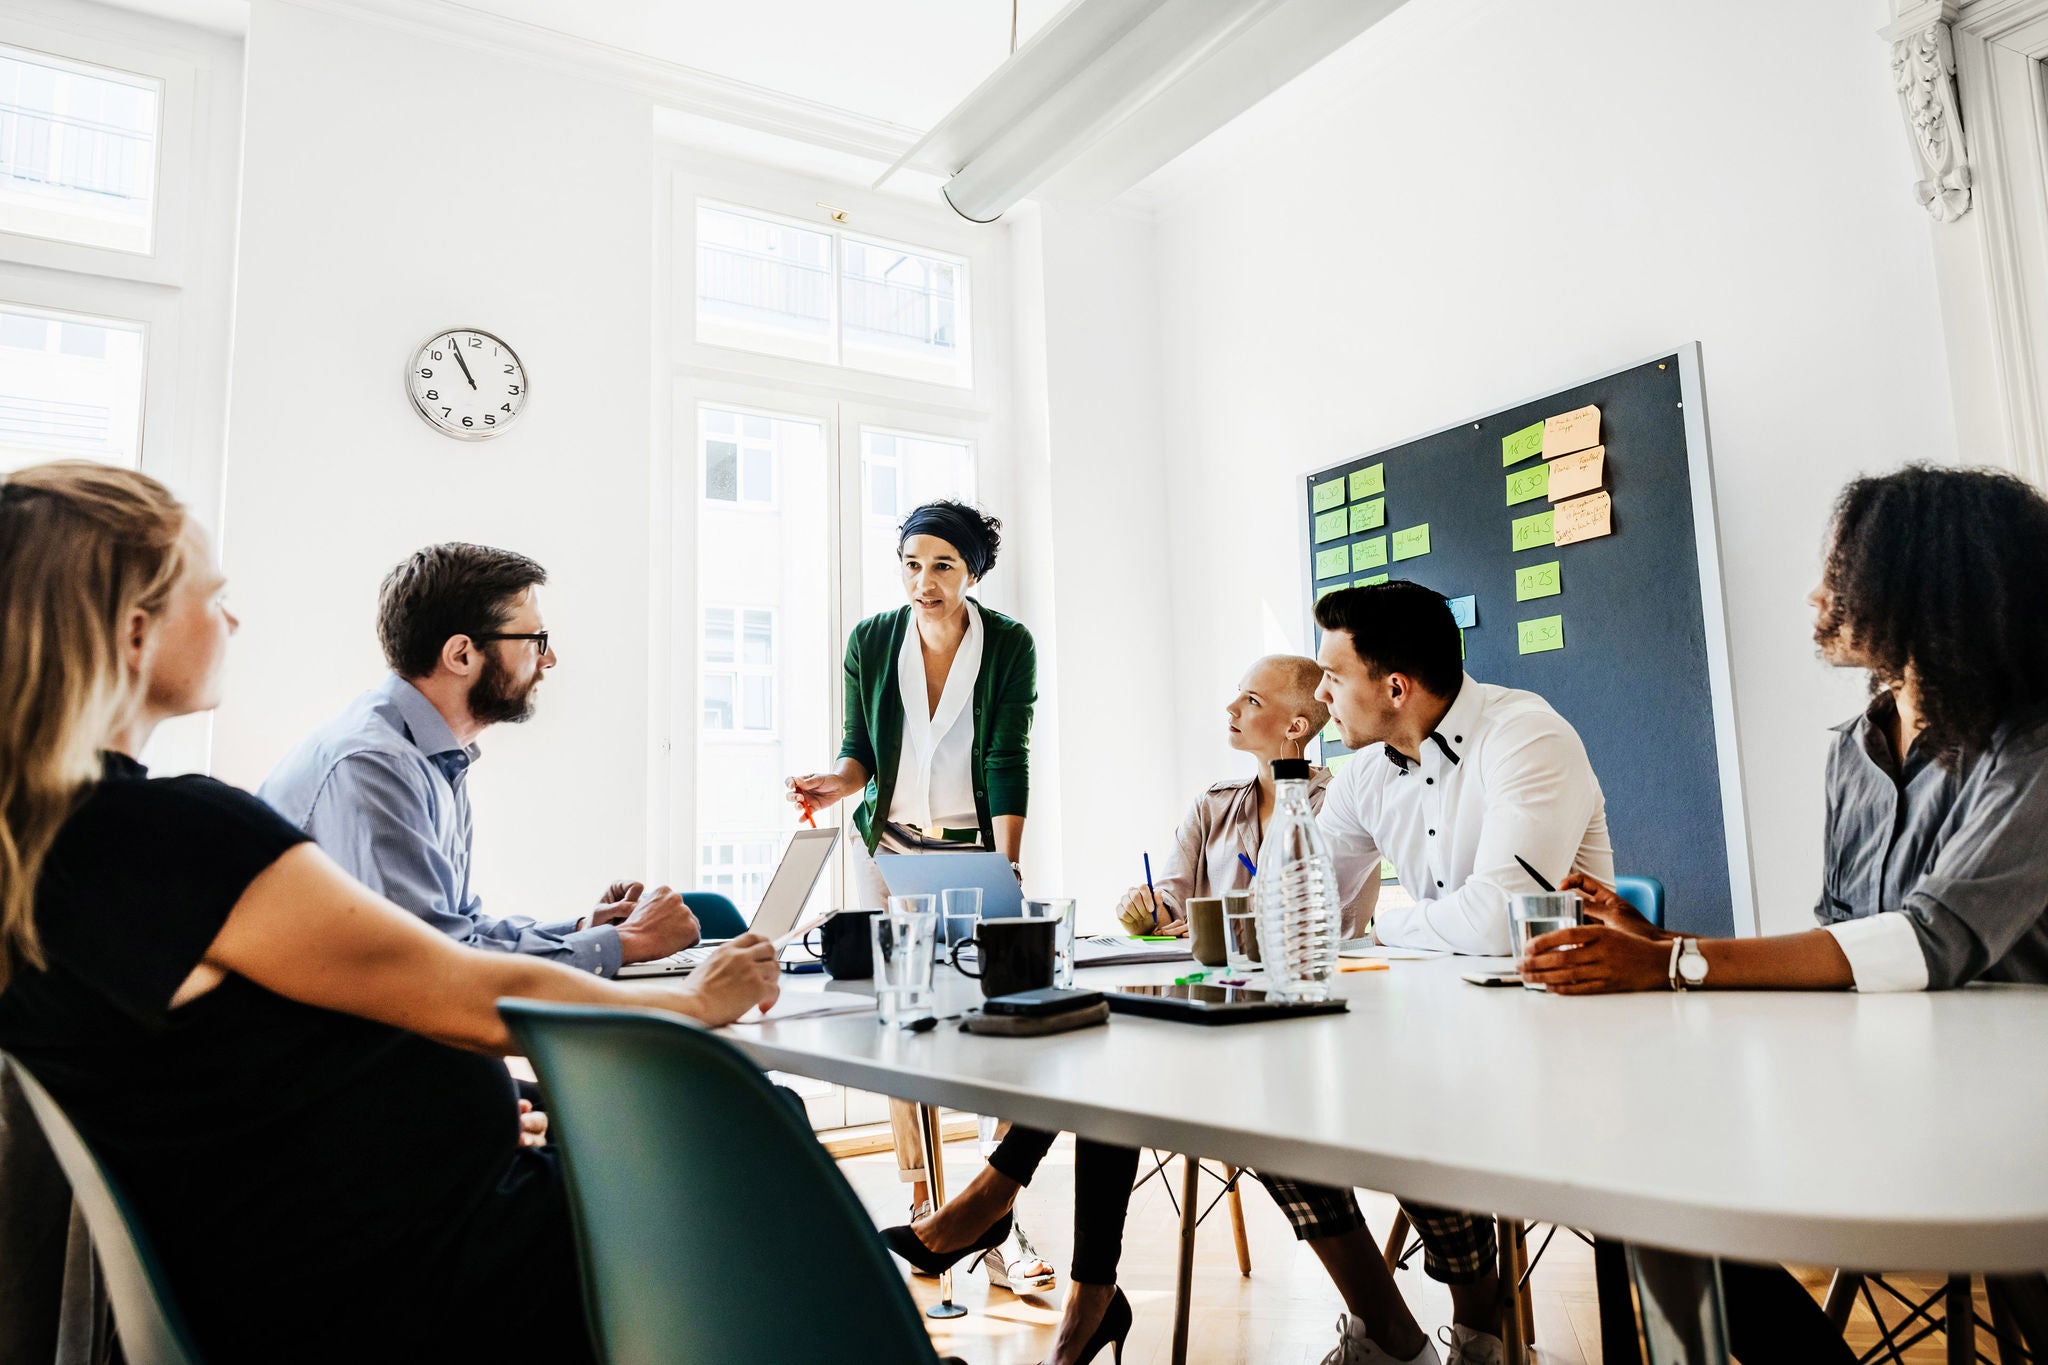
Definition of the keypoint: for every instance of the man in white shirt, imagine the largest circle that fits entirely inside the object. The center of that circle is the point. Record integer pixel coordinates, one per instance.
(1452, 780)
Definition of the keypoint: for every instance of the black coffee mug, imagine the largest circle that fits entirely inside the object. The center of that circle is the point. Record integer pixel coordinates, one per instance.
(1015, 955)
(845, 945)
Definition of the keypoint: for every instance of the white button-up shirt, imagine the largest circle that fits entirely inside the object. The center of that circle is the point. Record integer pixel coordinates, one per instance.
(935, 766)
(1503, 775)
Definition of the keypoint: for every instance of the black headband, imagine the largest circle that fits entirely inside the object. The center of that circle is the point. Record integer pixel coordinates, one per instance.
(959, 526)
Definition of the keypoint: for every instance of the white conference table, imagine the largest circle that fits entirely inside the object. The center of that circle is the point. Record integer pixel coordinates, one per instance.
(1872, 1132)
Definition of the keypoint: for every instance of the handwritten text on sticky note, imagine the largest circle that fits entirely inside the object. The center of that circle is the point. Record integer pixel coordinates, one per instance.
(1333, 563)
(1526, 485)
(1538, 580)
(1368, 554)
(1465, 611)
(1411, 542)
(1330, 525)
(1571, 475)
(1368, 516)
(1533, 530)
(1545, 632)
(1569, 431)
(1369, 582)
(1328, 495)
(1368, 482)
(1520, 445)
(1586, 518)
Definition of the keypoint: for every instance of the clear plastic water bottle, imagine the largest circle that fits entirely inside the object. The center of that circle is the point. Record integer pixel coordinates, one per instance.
(1300, 921)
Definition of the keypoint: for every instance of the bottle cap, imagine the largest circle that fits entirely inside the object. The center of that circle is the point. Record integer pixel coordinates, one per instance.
(1290, 770)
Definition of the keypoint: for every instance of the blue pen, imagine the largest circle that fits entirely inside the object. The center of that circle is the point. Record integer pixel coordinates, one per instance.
(1151, 892)
(1251, 868)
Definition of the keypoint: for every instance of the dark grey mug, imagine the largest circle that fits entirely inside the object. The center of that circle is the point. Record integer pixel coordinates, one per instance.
(1013, 955)
(845, 946)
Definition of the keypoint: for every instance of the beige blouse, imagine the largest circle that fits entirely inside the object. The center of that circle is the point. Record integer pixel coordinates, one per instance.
(1222, 823)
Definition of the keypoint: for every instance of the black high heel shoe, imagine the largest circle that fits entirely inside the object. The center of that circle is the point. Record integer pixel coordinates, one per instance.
(905, 1243)
(1111, 1331)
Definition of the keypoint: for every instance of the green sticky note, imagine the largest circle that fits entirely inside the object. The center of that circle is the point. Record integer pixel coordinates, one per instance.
(1368, 554)
(1368, 482)
(1336, 762)
(1461, 642)
(1545, 632)
(1333, 563)
(1411, 543)
(1368, 516)
(1332, 734)
(1368, 582)
(1538, 580)
(1534, 530)
(1525, 484)
(1387, 873)
(1521, 445)
(1328, 495)
(1330, 525)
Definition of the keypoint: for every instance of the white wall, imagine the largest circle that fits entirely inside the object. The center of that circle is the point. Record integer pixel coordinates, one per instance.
(396, 184)
(1482, 200)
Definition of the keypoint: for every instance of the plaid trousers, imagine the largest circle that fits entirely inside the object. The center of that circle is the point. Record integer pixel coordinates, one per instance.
(1457, 1248)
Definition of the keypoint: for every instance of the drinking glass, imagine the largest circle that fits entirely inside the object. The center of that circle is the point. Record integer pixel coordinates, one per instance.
(905, 941)
(959, 913)
(1240, 934)
(1060, 910)
(1532, 914)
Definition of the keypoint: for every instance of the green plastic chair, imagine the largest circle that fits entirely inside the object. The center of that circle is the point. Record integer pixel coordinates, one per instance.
(151, 1330)
(710, 1224)
(717, 916)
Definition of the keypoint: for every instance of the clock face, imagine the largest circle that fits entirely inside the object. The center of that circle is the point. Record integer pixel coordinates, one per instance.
(467, 384)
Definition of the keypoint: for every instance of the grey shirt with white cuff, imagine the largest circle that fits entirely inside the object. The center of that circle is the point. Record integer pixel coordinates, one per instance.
(1937, 878)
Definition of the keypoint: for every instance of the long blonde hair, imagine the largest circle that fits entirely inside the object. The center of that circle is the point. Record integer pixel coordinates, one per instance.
(82, 546)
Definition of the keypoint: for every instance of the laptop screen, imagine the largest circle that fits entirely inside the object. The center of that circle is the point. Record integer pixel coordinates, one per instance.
(782, 904)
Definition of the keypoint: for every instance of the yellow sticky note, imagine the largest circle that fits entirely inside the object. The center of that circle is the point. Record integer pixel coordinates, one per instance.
(1368, 582)
(1368, 516)
(1569, 431)
(1330, 525)
(1368, 554)
(1368, 482)
(1411, 543)
(1519, 446)
(1527, 485)
(1333, 563)
(1587, 518)
(1533, 530)
(1543, 633)
(1571, 475)
(1328, 495)
(1538, 580)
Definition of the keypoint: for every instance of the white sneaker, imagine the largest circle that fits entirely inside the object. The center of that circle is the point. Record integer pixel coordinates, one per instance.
(1472, 1347)
(1354, 1347)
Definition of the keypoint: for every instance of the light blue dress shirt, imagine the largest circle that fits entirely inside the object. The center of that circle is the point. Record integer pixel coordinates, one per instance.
(383, 789)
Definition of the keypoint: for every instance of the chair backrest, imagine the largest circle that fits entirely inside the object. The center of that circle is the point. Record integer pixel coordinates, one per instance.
(710, 1223)
(150, 1328)
(1646, 894)
(717, 917)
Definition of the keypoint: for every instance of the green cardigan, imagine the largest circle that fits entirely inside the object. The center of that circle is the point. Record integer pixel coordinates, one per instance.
(1004, 693)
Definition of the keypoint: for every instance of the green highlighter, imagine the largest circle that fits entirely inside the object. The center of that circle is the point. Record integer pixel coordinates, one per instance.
(1156, 938)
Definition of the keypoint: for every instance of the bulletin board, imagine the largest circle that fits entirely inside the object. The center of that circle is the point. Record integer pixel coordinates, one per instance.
(1575, 536)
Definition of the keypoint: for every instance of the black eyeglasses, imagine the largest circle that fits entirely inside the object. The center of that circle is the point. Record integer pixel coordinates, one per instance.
(539, 638)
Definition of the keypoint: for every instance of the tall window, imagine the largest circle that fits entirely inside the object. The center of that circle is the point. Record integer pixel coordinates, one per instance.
(70, 388)
(739, 458)
(78, 152)
(807, 293)
(901, 470)
(739, 671)
(738, 868)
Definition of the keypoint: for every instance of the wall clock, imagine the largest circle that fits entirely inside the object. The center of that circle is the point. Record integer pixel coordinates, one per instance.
(467, 384)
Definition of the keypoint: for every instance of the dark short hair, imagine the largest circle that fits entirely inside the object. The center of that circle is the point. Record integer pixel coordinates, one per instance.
(971, 531)
(443, 591)
(1399, 627)
(1945, 570)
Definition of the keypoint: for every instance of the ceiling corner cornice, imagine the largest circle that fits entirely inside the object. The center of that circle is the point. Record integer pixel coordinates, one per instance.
(687, 88)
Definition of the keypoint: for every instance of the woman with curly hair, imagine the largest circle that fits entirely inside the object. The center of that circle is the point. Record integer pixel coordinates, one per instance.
(1936, 868)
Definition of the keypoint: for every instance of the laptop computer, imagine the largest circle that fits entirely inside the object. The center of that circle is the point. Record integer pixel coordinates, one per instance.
(782, 904)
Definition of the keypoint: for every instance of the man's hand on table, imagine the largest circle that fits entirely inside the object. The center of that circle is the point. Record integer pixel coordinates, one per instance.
(659, 924)
(736, 978)
(614, 903)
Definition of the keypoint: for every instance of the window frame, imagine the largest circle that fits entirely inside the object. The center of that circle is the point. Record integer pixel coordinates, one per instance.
(740, 670)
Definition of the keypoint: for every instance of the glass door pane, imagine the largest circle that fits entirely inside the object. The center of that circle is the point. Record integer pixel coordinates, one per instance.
(767, 662)
(900, 470)
(70, 388)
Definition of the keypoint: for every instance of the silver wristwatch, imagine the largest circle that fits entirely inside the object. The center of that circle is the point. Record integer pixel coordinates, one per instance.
(1688, 965)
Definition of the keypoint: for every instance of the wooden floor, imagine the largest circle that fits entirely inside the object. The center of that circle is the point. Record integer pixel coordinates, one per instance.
(1283, 1313)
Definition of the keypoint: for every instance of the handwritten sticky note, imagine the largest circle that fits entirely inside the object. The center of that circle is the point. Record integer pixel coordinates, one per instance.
(1587, 518)
(1538, 580)
(1571, 475)
(1368, 554)
(1330, 525)
(1543, 633)
(1533, 530)
(1522, 444)
(1334, 563)
(1526, 485)
(1324, 496)
(1368, 582)
(1368, 516)
(1465, 611)
(1569, 431)
(1411, 542)
(1368, 482)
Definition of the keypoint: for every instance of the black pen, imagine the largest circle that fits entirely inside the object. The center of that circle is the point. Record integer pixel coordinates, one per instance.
(1534, 873)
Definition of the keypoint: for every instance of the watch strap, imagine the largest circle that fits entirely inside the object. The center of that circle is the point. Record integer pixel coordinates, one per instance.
(1677, 947)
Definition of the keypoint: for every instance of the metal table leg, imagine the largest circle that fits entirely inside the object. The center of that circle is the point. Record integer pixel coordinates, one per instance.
(1684, 1320)
(935, 1182)
(1962, 1321)
(1184, 1276)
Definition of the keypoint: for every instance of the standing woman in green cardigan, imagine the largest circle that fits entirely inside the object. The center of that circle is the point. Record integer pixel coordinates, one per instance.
(939, 695)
